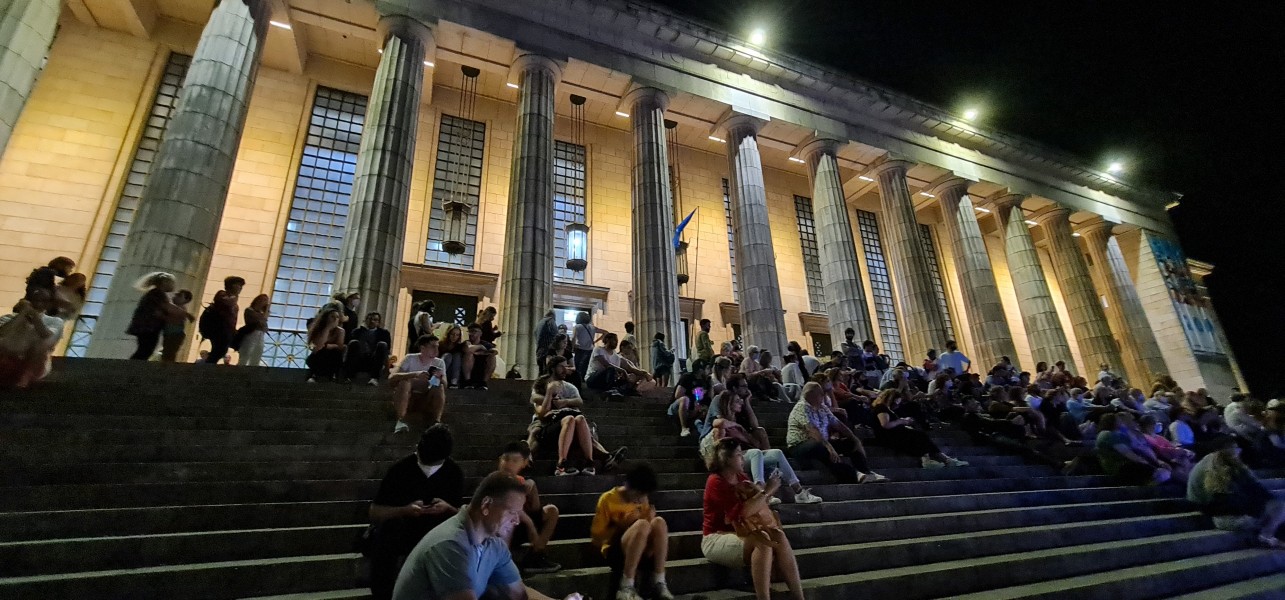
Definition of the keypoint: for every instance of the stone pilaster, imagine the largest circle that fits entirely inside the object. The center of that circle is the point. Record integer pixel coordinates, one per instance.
(1088, 320)
(762, 318)
(370, 257)
(1138, 346)
(845, 298)
(26, 31)
(922, 326)
(181, 208)
(526, 291)
(655, 279)
(1039, 314)
(986, 320)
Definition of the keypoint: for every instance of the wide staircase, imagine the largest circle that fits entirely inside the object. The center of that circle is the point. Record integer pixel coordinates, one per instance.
(129, 480)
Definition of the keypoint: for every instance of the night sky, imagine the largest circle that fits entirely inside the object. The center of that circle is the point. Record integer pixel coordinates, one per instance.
(1189, 100)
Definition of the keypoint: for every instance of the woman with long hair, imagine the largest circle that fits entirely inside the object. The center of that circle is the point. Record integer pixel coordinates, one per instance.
(27, 338)
(735, 530)
(736, 421)
(326, 339)
(451, 349)
(1225, 489)
(561, 346)
(250, 345)
(148, 321)
(562, 426)
(899, 433)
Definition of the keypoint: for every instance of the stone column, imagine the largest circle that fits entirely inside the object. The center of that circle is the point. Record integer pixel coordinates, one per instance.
(762, 318)
(526, 291)
(26, 31)
(845, 298)
(922, 326)
(1039, 315)
(370, 258)
(655, 277)
(182, 206)
(1088, 320)
(1138, 346)
(986, 321)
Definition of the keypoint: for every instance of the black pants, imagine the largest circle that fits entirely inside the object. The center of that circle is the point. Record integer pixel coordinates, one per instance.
(906, 440)
(325, 363)
(219, 348)
(581, 358)
(371, 361)
(146, 345)
(387, 548)
(812, 451)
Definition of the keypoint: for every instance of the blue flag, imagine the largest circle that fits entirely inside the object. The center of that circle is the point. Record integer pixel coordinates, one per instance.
(678, 232)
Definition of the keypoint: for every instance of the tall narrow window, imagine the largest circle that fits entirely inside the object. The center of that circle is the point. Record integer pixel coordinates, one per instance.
(458, 168)
(934, 270)
(568, 203)
(880, 285)
(127, 205)
(731, 240)
(318, 215)
(811, 256)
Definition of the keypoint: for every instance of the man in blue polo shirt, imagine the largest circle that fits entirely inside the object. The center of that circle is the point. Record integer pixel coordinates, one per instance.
(952, 358)
(467, 556)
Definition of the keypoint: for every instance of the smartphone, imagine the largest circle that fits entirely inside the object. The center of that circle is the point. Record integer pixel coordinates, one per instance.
(699, 393)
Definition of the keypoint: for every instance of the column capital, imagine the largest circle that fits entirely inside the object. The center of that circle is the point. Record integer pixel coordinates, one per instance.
(888, 162)
(1051, 214)
(536, 62)
(404, 27)
(653, 96)
(737, 122)
(815, 145)
(1006, 200)
(1097, 227)
(948, 183)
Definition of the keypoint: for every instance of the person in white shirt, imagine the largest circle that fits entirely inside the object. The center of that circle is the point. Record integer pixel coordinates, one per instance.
(27, 337)
(420, 374)
(609, 371)
(583, 338)
(792, 377)
(952, 358)
(1241, 415)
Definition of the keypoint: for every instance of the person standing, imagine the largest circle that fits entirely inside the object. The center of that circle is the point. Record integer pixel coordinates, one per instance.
(583, 339)
(176, 320)
(148, 321)
(218, 322)
(421, 323)
(545, 331)
(250, 345)
(953, 359)
(662, 360)
(704, 346)
(27, 337)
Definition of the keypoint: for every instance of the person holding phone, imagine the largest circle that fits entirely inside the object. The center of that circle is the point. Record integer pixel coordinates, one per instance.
(420, 375)
(689, 406)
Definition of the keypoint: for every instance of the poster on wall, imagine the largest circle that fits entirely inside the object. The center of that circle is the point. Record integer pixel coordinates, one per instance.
(1191, 305)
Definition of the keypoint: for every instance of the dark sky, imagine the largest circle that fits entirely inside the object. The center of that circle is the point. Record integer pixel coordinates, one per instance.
(1191, 99)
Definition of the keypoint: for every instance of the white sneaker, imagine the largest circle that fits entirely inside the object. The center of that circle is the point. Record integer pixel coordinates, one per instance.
(662, 592)
(627, 593)
(312, 380)
(929, 463)
(373, 383)
(687, 431)
(875, 478)
(807, 497)
(773, 501)
(955, 462)
(401, 427)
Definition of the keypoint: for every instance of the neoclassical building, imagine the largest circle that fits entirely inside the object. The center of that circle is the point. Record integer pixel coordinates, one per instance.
(541, 154)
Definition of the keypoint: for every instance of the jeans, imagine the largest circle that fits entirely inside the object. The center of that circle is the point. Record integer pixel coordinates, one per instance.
(582, 364)
(146, 345)
(759, 459)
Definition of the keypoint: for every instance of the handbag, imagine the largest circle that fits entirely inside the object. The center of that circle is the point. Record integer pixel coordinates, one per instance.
(756, 519)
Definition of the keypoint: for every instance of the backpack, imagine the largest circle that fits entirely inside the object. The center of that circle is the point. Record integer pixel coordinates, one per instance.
(211, 324)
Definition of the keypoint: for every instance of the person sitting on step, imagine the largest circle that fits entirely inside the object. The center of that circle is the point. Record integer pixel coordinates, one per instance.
(419, 376)
(729, 541)
(562, 425)
(368, 347)
(418, 493)
(899, 433)
(814, 434)
(691, 399)
(626, 529)
(611, 372)
(1225, 489)
(479, 359)
(465, 557)
(1123, 458)
(326, 342)
(538, 521)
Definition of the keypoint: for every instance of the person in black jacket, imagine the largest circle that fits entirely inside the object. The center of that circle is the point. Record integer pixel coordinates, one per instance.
(420, 492)
(368, 348)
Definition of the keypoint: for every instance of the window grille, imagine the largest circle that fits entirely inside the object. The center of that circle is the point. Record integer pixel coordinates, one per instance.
(880, 285)
(459, 156)
(811, 256)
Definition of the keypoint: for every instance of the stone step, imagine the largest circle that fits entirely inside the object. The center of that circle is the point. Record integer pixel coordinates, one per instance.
(193, 581)
(355, 594)
(1258, 567)
(54, 497)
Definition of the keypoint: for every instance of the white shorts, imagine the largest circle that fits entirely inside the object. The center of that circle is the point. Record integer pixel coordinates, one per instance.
(724, 549)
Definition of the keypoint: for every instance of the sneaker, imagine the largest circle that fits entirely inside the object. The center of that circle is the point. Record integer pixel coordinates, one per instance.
(588, 471)
(873, 477)
(563, 470)
(807, 497)
(955, 462)
(373, 383)
(312, 380)
(1269, 541)
(686, 432)
(479, 386)
(862, 477)
(929, 463)
(537, 564)
(773, 501)
(401, 427)
(627, 593)
(662, 592)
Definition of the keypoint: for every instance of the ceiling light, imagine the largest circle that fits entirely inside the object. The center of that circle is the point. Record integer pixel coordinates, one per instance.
(1115, 167)
(864, 178)
(717, 139)
(970, 114)
(1075, 234)
(285, 26)
(512, 85)
(983, 210)
(796, 159)
(926, 194)
(429, 63)
(1031, 223)
(758, 37)
(380, 50)
(622, 114)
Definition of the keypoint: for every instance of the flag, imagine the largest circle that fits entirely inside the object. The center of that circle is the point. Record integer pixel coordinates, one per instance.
(678, 232)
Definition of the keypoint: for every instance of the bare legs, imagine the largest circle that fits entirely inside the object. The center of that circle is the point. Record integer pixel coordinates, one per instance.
(436, 398)
(575, 430)
(645, 536)
(762, 557)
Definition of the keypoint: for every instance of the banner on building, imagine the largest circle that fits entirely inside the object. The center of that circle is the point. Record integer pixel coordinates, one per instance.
(1189, 302)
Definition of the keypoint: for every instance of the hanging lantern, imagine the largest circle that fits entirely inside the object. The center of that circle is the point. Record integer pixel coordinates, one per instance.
(577, 246)
(680, 262)
(456, 207)
(457, 212)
